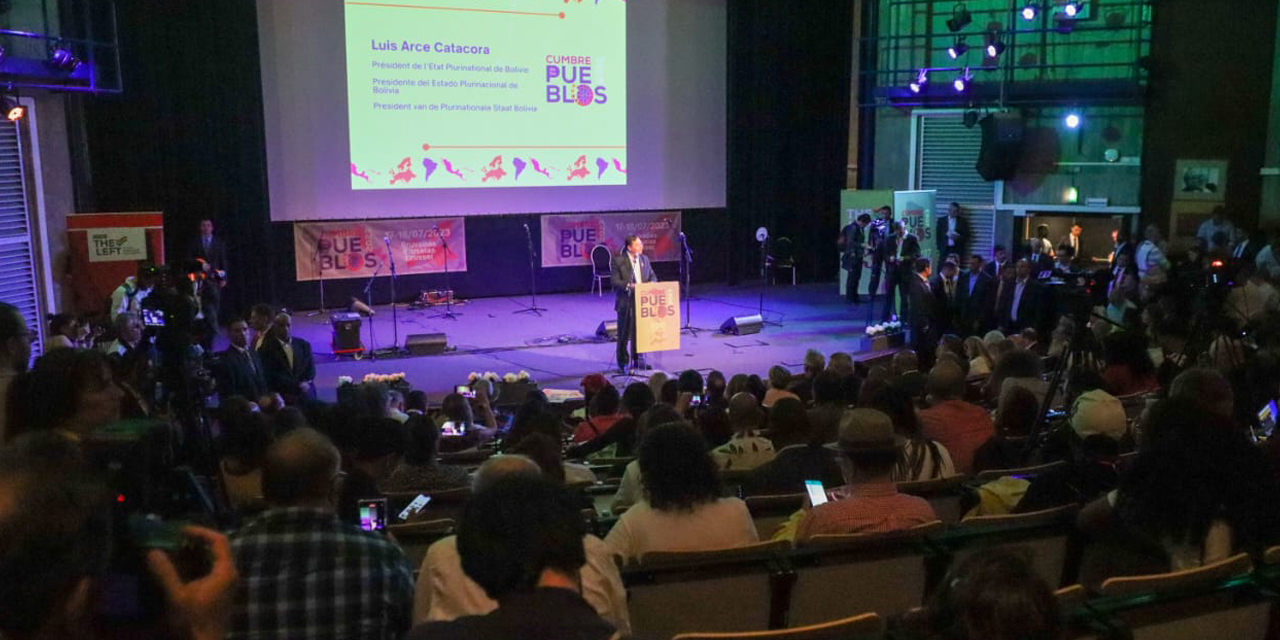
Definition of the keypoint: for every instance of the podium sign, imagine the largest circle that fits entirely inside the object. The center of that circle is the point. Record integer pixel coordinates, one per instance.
(657, 316)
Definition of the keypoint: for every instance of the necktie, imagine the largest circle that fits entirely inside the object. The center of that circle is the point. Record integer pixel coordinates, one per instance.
(253, 366)
(951, 290)
(635, 269)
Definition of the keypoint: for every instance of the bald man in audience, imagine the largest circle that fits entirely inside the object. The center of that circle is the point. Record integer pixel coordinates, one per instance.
(445, 592)
(358, 584)
(959, 426)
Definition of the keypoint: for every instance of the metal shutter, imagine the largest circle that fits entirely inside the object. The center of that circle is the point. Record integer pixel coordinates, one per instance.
(946, 151)
(17, 243)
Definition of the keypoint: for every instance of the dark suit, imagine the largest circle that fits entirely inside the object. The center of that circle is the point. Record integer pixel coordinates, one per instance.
(622, 274)
(853, 240)
(1027, 313)
(211, 289)
(240, 373)
(946, 308)
(280, 376)
(1127, 247)
(923, 319)
(1080, 255)
(992, 269)
(974, 302)
(962, 229)
(899, 269)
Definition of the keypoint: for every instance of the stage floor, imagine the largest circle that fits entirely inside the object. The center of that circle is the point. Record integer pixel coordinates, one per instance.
(560, 347)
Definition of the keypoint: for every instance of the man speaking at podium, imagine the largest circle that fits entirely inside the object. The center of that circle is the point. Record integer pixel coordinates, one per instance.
(630, 268)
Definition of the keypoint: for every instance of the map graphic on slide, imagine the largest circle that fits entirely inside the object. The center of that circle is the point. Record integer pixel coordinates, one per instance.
(493, 87)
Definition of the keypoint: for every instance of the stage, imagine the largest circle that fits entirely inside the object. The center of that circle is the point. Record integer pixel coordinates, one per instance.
(560, 347)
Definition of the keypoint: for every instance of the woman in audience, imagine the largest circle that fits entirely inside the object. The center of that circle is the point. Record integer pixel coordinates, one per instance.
(620, 440)
(756, 387)
(669, 393)
(241, 446)
(64, 331)
(68, 390)
(1017, 367)
(602, 415)
(656, 381)
(460, 425)
(1129, 369)
(951, 343)
(919, 458)
(630, 489)
(979, 359)
(1014, 418)
(779, 380)
(420, 470)
(682, 509)
(992, 595)
(737, 384)
(543, 451)
(799, 454)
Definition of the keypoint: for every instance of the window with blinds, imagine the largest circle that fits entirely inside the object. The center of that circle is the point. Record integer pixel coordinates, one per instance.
(946, 152)
(17, 237)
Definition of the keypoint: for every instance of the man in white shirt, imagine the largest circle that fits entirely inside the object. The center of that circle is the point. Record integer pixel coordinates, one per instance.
(445, 592)
(746, 449)
(128, 335)
(1217, 222)
(128, 297)
(1253, 298)
(1150, 253)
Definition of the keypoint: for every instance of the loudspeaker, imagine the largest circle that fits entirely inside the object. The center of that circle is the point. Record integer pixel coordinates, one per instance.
(425, 344)
(346, 332)
(608, 329)
(1002, 135)
(742, 325)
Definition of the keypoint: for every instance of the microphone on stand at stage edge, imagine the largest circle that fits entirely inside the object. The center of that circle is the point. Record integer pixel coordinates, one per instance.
(688, 253)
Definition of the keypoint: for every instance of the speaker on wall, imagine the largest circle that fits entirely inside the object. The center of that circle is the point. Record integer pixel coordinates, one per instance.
(608, 329)
(346, 332)
(1002, 135)
(426, 344)
(742, 325)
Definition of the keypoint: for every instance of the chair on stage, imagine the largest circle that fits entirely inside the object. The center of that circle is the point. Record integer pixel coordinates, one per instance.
(782, 257)
(867, 626)
(600, 267)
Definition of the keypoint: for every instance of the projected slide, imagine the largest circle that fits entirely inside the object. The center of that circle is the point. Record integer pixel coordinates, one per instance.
(450, 94)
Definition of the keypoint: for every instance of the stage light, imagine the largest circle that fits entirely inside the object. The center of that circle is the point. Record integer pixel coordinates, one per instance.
(1030, 10)
(958, 49)
(995, 47)
(12, 109)
(921, 79)
(1072, 120)
(959, 19)
(962, 81)
(1072, 9)
(61, 57)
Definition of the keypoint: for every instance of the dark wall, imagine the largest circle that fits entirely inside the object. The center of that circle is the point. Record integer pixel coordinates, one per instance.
(1209, 97)
(186, 138)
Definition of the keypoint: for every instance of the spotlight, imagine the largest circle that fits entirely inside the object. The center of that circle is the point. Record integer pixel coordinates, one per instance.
(13, 110)
(995, 47)
(958, 49)
(921, 79)
(962, 81)
(61, 57)
(1072, 9)
(1072, 120)
(959, 19)
(1030, 10)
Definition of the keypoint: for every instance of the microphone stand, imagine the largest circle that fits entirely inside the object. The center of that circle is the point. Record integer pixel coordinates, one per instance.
(686, 259)
(322, 312)
(764, 275)
(394, 349)
(533, 279)
(448, 313)
(368, 300)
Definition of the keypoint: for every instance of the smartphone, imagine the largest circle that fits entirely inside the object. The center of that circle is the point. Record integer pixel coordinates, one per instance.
(817, 493)
(695, 400)
(1267, 419)
(453, 429)
(465, 391)
(373, 514)
(413, 508)
(153, 317)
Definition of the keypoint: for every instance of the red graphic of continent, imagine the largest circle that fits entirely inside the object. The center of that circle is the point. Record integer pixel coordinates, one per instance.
(403, 171)
(579, 169)
(495, 170)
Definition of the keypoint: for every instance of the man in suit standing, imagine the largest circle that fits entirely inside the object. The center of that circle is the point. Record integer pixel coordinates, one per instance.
(852, 244)
(999, 258)
(945, 288)
(952, 232)
(1124, 246)
(899, 252)
(1024, 300)
(239, 369)
(1073, 240)
(876, 236)
(974, 298)
(287, 364)
(923, 312)
(629, 268)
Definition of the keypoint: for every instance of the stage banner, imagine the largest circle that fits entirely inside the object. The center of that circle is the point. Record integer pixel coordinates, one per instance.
(104, 248)
(657, 316)
(853, 203)
(567, 239)
(118, 244)
(917, 208)
(356, 249)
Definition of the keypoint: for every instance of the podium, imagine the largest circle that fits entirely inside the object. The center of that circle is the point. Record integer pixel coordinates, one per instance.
(657, 308)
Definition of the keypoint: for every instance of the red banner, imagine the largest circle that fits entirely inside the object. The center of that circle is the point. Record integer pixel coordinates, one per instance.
(567, 239)
(358, 249)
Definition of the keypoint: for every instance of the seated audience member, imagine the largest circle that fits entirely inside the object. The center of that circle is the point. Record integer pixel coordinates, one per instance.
(287, 363)
(620, 440)
(128, 330)
(690, 381)
(415, 402)
(378, 444)
(68, 390)
(798, 454)
(757, 388)
(521, 540)
(746, 449)
(55, 547)
(670, 392)
(544, 423)
(591, 384)
(64, 332)
(920, 458)
(15, 353)
(1099, 424)
(828, 406)
(602, 414)
(779, 380)
(841, 363)
(359, 583)
(906, 373)
(1014, 418)
(1253, 298)
(954, 344)
(682, 509)
(1129, 368)
(1016, 367)
(238, 370)
(446, 592)
(1207, 389)
(630, 488)
(992, 595)
(814, 363)
(979, 359)
(460, 429)
(737, 384)
(420, 469)
(261, 316)
(869, 501)
(959, 361)
(243, 443)
(544, 452)
(959, 426)
(396, 406)
(716, 390)
(657, 380)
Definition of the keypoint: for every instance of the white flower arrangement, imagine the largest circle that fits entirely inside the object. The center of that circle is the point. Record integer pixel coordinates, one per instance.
(473, 376)
(509, 378)
(385, 378)
(883, 329)
(523, 376)
(492, 376)
(345, 380)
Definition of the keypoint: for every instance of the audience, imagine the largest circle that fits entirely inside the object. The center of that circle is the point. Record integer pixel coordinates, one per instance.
(358, 583)
(287, 363)
(1099, 425)
(779, 380)
(1015, 417)
(746, 449)
(814, 363)
(979, 359)
(15, 353)
(992, 595)
(906, 373)
(620, 439)
(920, 457)
(602, 415)
(869, 501)
(68, 390)
(959, 426)
(378, 443)
(242, 446)
(828, 405)
(681, 509)
(798, 453)
(420, 469)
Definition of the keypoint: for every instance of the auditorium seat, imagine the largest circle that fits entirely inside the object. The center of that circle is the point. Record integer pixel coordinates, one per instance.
(836, 575)
(1021, 472)
(944, 495)
(1041, 536)
(770, 511)
(719, 591)
(867, 626)
(467, 457)
(414, 538)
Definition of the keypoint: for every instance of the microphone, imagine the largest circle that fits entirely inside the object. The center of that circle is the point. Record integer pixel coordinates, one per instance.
(386, 239)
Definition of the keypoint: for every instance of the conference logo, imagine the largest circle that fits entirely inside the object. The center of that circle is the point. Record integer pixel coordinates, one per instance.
(570, 80)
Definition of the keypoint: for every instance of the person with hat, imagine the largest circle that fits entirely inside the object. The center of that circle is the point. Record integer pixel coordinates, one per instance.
(1100, 435)
(746, 448)
(869, 502)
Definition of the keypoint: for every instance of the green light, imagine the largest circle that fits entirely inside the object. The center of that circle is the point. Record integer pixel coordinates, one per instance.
(1072, 195)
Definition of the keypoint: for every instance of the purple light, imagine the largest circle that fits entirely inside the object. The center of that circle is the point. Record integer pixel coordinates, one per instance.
(914, 86)
(1071, 9)
(956, 50)
(960, 84)
(1029, 11)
